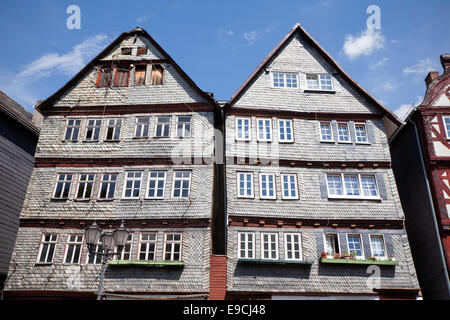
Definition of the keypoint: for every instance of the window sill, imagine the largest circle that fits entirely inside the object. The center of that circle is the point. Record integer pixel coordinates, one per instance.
(140, 138)
(360, 262)
(319, 91)
(59, 199)
(273, 261)
(106, 200)
(354, 198)
(43, 264)
(363, 143)
(109, 140)
(345, 142)
(286, 142)
(152, 263)
(328, 141)
(91, 141)
(82, 200)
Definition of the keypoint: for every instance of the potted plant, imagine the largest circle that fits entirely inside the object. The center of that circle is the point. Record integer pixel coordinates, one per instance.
(337, 256)
(323, 255)
(345, 255)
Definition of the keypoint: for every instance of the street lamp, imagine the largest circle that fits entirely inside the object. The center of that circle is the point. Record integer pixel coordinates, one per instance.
(109, 240)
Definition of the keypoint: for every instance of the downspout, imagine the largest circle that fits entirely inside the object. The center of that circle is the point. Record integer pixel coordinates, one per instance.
(430, 200)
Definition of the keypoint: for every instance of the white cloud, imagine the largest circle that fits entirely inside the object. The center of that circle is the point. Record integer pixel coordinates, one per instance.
(225, 32)
(252, 36)
(364, 44)
(68, 63)
(380, 63)
(421, 68)
(403, 111)
(387, 86)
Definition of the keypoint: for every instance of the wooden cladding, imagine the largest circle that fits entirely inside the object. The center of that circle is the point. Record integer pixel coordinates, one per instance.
(139, 75)
(157, 74)
(104, 77)
(121, 78)
(141, 51)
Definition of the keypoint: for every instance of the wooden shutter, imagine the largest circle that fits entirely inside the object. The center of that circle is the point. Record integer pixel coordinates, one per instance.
(141, 51)
(104, 78)
(121, 79)
(157, 74)
(139, 75)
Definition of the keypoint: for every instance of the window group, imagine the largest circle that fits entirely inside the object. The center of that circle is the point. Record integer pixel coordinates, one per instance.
(132, 185)
(344, 132)
(352, 244)
(128, 74)
(293, 80)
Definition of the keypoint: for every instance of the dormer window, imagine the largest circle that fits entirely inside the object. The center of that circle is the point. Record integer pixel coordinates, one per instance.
(319, 82)
(284, 80)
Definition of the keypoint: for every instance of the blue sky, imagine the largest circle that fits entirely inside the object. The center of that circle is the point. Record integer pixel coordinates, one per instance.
(219, 43)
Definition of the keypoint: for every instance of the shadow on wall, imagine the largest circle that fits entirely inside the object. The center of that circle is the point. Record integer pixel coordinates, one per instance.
(295, 272)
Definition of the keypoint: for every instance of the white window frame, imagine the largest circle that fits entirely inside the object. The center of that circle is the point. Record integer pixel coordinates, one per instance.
(293, 235)
(108, 182)
(243, 131)
(64, 183)
(447, 132)
(348, 132)
(157, 179)
(285, 140)
(270, 242)
(361, 124)
(289, 197)
(173, 243)
(123, 252)
(155, 242)
(164, 125)
(181, 186)
(85, 182)
(284, 80)
(74, 243)
(95, 127)
(72, 129)
(362, 256)
(317, 76)
(331, 131)
(133, 187)
(183, 126)
(247, 247)
(41, 246)
(252, 195)
(258, 131)
(142, 125)
(115, 127)
(97, 257)
(385, 257)
(331, 256)
(267, 184)
(344, 189)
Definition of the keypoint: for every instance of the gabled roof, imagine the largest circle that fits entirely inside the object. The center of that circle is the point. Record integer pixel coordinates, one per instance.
(137, 31)
(17, 112)
(298, 29)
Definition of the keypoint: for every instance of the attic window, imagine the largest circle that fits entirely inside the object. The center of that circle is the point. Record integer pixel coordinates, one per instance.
(139, 75)
(126, 51)
(157, 74)
(141, 51)
(121, 78)
(104, 78)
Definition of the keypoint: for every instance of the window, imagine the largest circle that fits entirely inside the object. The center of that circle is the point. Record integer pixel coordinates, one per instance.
(132, 187)
(162, 128)
(126, 51)
(141, 51)
(331, 244)
(181, 184)
(147, 246)
(285, 130)
(293, 249)
(378, 247)
(72, 129)
(85, 186)
(446, 121)
(141, 127)
(269, 246)
(289, 186)
(94, 258)
(361, 133)
(113, 129)
(73, 248)
(319, 82)
(184, 126)
(104, 78)
(352, 186)
(243, 129)
(354, 245)
(326, 135)
(246, 245)
(157, 74)
(264, 129)
(47, 248)
(63, 185)
(125, 254)
(284, 80)
(245, 185)
(121, 79)
(139, 75)
(172, 247)
(267, 186)
(156, 183)
(108, 186)
(93, 129)
(343, 134)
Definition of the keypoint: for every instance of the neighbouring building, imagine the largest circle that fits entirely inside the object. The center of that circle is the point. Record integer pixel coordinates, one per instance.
(129, 138)
(421, 162)
(312, 203)
(18, 138)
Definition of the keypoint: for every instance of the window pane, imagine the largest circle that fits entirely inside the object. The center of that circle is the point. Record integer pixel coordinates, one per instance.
(334, 185)
(351, 185)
